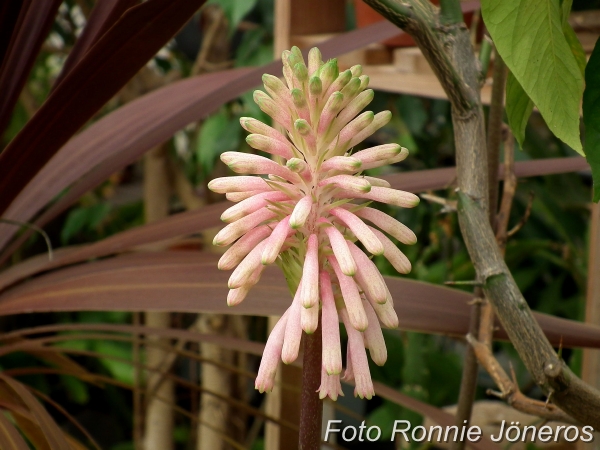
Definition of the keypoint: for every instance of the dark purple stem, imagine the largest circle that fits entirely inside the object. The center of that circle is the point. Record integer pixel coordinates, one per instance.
(311, 409)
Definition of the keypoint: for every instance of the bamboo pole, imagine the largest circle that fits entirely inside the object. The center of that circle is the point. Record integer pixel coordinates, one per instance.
(159, 417)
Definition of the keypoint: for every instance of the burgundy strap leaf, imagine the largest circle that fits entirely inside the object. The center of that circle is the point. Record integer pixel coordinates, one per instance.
(102, 71)
(190, 282)
(33, 25)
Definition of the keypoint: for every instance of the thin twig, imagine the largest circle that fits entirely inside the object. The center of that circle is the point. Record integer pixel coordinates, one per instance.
(495, 131)
(508, 193)
(33, 227)
(448, 205)
(509, 389)
(524, 219)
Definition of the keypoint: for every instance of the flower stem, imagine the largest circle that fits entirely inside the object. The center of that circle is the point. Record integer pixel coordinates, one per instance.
(311, 409)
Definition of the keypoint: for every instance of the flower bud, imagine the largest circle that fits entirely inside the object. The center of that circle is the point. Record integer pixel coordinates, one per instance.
(360, 230)
(342, 164)
(348, 182)
(379, 182)
(277, 90)
(315, 86)
(350, 90)
(224, 185)
(364, 82)
(330, 110)
(301, 212)
(275, 241)
(381, 119)
(271, 145)
(301, 72)
(314, 60)
(354, 304)
(271, 355)
(247, 163)
(238, 251)
(340, 249)
(388, 224)
(356, 70)
(329, 72)
(330, 386)
(340, 82)
(392, 253)
(332, 355)
(270, 107)
(240, 227)
(249, 205)
(256, 126)
(309, 297)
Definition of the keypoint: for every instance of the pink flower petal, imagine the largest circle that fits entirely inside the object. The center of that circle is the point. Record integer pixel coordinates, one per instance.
(246, 268)
(271, 145)
(360, 365)
(352, 300)
(332, 352)
(265, 379)
(388, 224)
(224, 185)
(330, 386)
(309, 295)
(309, 319)
(252, 204)
(368, 276)
(349, 183)
(342, 164)
(236, 253)
(360, 230)
(385, 312)
(301, 212)
(236, 229)
(380, 155)
(340, 249)
(393, 253)
(248, 163)
(374, 337)
(254, 126)
(293, 331)
(383, 195)
(275, 241)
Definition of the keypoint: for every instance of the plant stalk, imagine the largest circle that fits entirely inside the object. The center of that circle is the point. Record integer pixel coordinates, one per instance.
(494, 139)
(311, 409)
(468, 382)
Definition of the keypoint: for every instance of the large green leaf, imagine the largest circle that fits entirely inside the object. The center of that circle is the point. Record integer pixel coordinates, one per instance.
(518, 108)
(529, 37)
(591, 117)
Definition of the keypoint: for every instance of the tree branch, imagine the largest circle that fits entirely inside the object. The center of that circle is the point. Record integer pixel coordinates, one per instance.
(451, 56)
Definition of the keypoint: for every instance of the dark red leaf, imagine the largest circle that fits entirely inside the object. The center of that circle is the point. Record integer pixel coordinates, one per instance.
(33, 25)
(10, 438)
(103, 16)
(9, 18)
(190, 282)
(103, 70)
(52, 433)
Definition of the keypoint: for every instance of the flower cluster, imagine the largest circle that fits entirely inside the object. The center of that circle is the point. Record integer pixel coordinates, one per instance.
(302, 215)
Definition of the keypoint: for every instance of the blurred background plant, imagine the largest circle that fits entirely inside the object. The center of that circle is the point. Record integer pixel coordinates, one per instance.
(100, 383)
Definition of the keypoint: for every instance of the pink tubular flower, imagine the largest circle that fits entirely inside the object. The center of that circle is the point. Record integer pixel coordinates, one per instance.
(308, 213)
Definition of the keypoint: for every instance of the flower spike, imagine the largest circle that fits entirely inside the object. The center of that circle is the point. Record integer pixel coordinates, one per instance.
(308, 209)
